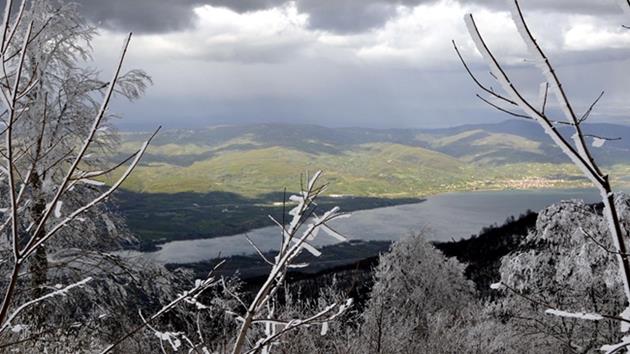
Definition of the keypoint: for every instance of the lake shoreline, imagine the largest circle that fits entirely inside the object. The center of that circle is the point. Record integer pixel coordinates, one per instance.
(345, 203)
(375, 202)
(444, 217)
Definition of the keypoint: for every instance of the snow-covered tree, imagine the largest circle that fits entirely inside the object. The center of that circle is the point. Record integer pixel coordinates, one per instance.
(54, 128)
(59, 108)
(565, 267)
(413, 282)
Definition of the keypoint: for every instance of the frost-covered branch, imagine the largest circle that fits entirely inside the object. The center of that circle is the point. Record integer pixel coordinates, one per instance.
(52, 121)
(29, 249)
(587, 114)
(190, 296)
(577, 149)
(62, 291)
(330, 313)
(303, 228)
(595, 241)
(616, 348)
(86, 145)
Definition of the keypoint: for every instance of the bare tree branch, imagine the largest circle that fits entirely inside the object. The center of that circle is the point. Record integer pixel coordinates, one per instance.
(580, 154)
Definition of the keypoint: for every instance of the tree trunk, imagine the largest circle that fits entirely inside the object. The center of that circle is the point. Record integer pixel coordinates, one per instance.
(38, 262)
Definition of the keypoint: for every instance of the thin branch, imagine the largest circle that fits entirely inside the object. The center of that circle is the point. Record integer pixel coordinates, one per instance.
(590, 108)
(545, 97)
(602, 137)
(474, 78)
(595, 241)
(497, 107)
(199, 288)
(236, 297)
(260, 253)
(30, 303)
(31, 247)
(84, 175)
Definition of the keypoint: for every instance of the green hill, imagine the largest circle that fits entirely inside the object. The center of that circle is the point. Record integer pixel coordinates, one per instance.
(223, 180)
(256, 159)
(378, 169)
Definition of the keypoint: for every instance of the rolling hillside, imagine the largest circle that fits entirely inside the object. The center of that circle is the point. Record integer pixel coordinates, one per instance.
(256, 159)
(249, 165)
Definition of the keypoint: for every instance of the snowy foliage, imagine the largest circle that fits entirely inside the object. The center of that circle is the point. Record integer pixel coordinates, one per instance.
(54, 110)
(565, 267)
(422, 303)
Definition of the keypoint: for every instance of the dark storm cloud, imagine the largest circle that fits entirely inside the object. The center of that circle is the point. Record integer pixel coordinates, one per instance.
(347, 16)
(135, 15)
(140, 15)
(342, 16)
(360, 15)
(157, 15)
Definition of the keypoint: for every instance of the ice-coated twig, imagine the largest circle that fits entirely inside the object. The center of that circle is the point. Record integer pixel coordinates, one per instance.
(579, 154)
(504, 110)
(592, 238)
(587, 114)
(199, 288)
(616, 348)
(260, 253)
(60, 292)
(293, 241)
(171, 337)
(322, 318)
(580, 315)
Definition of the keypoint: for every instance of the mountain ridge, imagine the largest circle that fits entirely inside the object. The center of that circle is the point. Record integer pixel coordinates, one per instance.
(267, 157)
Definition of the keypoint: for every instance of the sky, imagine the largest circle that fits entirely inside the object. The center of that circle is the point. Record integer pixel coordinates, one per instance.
(367, 63)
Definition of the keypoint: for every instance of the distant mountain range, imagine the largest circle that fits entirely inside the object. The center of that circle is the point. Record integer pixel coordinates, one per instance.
(261, 158)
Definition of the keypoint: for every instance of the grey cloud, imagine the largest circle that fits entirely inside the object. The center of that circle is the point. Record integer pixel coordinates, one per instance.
(361, 15)
(342, 16)
(569, 6)
(135, 15)
(157, 16)
(347, 15)
(140, 15)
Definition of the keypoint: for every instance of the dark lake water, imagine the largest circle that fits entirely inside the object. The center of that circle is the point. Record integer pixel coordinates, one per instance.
(442, 217)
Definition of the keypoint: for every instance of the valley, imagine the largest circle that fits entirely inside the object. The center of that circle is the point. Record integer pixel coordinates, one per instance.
(226, 180)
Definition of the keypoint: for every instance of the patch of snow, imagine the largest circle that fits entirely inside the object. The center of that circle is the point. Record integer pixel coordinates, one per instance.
(598, 142)
(580, 315)
(496, 286)
(324, 329)
(18, 328)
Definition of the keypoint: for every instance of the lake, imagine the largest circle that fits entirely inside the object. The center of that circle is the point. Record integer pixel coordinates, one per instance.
(441, 217)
